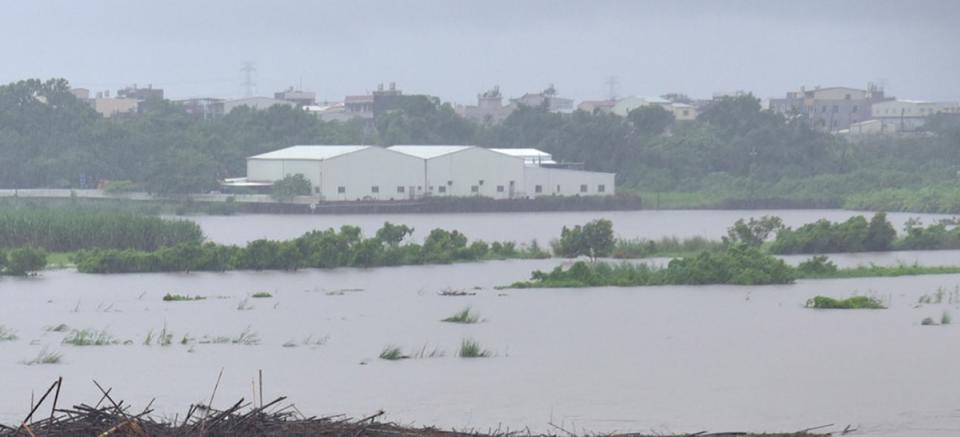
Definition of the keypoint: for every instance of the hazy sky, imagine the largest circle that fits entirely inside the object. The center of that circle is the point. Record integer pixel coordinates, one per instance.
(454, 49)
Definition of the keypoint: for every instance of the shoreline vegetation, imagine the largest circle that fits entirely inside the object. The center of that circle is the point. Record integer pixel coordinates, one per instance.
(111, 241)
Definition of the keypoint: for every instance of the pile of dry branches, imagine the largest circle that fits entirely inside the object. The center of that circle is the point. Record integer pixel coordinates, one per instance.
(109, 418)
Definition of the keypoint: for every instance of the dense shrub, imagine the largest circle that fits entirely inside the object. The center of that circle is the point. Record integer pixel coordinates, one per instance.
(851, 303)
(739, 264)
(24, 260)
(69, 229)
(317, 249)
(823, 236)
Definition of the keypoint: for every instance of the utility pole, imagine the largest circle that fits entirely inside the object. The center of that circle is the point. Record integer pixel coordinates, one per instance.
(612, 83)
(248, 84)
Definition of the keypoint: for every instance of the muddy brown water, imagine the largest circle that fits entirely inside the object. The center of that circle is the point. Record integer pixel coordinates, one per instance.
(663, 359)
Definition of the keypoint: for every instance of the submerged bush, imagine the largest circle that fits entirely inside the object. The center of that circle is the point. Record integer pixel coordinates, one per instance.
(817, 266)
(854, 235)
(851, 303)
(738, 264)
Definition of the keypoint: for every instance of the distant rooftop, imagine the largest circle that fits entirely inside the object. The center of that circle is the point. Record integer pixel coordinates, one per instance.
(427, 152)
(309, 152)
(530, 156)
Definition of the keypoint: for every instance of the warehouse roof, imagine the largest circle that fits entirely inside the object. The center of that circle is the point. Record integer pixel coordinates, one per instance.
(427, 152)
(309, 152)
(530, 156)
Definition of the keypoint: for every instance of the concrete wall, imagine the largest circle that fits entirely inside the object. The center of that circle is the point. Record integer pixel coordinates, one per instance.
(488, 172)
(563, 182)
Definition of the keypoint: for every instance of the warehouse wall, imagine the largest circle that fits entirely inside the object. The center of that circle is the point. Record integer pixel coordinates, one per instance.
(359, 172)
(477, 168)
(562, 182)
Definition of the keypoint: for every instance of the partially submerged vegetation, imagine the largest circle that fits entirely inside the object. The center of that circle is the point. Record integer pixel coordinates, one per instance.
(318, 249)
(45, 357)
(7, 334)
(261, 295)
(739, 264)
(22, 261)
(89, 337)
(470, 348)
(181, 298)
(850, 303)
(393, 353)
(466, 316)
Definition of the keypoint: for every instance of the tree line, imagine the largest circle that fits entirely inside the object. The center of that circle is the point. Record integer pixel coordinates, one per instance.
(735, 150)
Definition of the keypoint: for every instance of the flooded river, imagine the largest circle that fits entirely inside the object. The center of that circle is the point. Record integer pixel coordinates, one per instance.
(663, 359)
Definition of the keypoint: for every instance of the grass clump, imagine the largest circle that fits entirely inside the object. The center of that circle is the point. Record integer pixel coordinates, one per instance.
(45, 357)
(7, 334)
(851, 303)
(463, 316)
(928, 321)
(181, 298)
(946, 318)
(244, 305)
(57, 328)
(472, 349)
(89, 337)
(393, 353)
(261, 295)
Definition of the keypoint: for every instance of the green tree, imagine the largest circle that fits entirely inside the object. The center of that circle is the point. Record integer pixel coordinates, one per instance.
(880, 233)
(290, 186)
(755, 231)
(651, 119)
(594, 240)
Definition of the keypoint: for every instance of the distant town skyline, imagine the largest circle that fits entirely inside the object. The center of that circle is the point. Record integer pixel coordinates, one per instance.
(457, 50)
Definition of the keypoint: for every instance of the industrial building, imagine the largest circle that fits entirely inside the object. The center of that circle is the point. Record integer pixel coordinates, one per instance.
(406, 172)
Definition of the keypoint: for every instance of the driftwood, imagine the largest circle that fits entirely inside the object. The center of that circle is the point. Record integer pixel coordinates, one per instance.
(110, 418)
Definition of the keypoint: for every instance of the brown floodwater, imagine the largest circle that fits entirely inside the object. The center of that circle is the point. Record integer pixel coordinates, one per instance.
(662, 359)
(654, 358)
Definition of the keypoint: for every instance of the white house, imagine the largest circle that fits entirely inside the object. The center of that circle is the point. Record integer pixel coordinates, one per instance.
(343, 172)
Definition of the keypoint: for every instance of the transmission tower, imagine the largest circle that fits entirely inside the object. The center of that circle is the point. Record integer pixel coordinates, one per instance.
(248, 84)
(612, 83)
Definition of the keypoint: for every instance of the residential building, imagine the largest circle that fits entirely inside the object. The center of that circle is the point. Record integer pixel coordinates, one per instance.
(592, 106)
(489, 109)
(112, 107)
(132, 92)
(298, 97)
(548, 97)
(832, 108)
(204, 108)
(909, 115)
(680, 111)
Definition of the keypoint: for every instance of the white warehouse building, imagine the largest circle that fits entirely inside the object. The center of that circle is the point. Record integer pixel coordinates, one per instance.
(343, 172)
(404, 172)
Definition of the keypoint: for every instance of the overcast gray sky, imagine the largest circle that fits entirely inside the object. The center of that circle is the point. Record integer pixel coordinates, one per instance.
(454, 49)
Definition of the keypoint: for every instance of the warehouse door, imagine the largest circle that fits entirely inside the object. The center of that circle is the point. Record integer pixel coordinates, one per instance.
(513, 188)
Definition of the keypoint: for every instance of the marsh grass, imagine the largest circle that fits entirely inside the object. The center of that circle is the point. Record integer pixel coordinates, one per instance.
(89, 337)
(471, 349)
(244, 305)
(245, 338)
(946, 318)
(57, 328)
(928, 321)
(464, 316)
(7, 334)
(181, 298)
(45, 357)
(425, 352)
(261, 295)
(392, 353)
(941, 295)
(850, 303)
